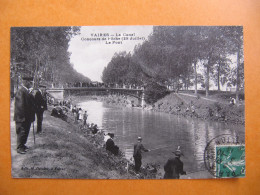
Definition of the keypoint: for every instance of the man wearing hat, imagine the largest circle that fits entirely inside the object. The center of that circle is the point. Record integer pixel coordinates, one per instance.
(174, 166)
(24, 113)
(40, 107)
(138, 148)
(85, 117)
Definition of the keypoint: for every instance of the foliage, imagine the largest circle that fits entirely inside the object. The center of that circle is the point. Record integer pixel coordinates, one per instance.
(42, 52)
(183, 56)
(154, 92)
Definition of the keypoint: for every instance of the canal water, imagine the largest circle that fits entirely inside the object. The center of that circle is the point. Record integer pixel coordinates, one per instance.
(159, 130)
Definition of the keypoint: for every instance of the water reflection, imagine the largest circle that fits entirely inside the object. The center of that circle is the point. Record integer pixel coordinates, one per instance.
(159, 130)
(95, 111)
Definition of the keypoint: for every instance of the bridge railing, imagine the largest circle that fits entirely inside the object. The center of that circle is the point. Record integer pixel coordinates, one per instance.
(104, 88)
(117, 86)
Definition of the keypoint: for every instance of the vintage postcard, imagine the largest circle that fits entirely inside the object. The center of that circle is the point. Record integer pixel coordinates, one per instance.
(127, 102)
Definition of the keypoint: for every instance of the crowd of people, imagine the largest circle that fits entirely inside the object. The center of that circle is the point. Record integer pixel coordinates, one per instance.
(173, 168)
(98, 84)
(30, 102)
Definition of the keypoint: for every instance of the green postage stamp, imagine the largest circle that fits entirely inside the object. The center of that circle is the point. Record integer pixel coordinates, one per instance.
(224, 156)
(230, 161)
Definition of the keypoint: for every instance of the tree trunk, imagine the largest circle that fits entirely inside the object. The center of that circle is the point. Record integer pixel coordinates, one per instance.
(188, 81)
(218, 77)
(35, 76)
(196, 79)
(238, 75)
(177, 83)
(185, 84)
(207, 80)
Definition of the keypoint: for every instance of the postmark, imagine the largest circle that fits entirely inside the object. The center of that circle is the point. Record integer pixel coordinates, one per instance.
(224, 156)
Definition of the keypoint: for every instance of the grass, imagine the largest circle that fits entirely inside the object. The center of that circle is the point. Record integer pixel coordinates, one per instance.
(62, 151)
(60, 154)
(216, 107)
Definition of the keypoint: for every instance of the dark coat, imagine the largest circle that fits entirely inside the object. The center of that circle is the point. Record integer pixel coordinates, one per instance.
(24, 106)
(110, 146)
(40, 103)
(138, 148)
(173, 168)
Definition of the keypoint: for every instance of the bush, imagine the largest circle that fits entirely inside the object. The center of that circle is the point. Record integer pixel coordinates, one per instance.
(217, 106)
(154, 92)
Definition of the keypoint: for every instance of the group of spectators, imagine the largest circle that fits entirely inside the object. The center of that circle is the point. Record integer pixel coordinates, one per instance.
(29, 102)
(98, 84)
(79, 115)
(174, 166)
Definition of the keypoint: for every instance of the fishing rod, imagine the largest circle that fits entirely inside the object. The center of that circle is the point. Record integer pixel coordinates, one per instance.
(161, 147)
(125, 136)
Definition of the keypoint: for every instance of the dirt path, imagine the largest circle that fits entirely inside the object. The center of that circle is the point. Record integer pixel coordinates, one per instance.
(17, 159)
(204, 98)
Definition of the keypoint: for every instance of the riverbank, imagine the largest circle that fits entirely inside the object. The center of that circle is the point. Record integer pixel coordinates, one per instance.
(128, 123)
(187, 105)
(199, 107)
(65, 151)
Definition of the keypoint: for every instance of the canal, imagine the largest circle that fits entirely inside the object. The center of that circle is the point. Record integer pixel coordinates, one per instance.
(159, 130)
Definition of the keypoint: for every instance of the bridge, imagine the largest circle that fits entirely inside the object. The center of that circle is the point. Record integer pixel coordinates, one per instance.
(61, 93)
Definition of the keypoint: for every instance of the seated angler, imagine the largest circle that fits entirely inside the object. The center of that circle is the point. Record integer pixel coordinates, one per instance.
(110, 145)
(94, 129)
(59, 113)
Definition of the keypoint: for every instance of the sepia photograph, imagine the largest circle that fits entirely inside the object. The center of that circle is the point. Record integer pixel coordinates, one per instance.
(127, 102)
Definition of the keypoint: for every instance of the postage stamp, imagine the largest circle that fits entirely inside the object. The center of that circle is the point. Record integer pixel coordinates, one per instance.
(224, 157)
(230, 161)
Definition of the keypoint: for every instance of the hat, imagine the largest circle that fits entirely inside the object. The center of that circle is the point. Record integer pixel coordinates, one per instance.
(178, 152)
(111, 134)
(27, 78)
(139, 138)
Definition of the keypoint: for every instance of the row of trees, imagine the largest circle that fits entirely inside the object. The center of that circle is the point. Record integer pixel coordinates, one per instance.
(189, 55)
(42, 52)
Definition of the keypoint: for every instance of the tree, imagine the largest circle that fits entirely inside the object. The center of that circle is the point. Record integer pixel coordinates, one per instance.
(234, 39)
(221, 71)
(172, 56)
(117, 70)
(193, 46)
(237, 40)
(43, 51)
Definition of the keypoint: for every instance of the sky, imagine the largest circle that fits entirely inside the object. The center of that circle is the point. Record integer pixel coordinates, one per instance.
(89, 57)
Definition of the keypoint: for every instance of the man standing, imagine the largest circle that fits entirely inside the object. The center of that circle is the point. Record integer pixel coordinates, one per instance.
(24, 114)
(174, 166)
(85, 117)
(138, 148)
(40, 106)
